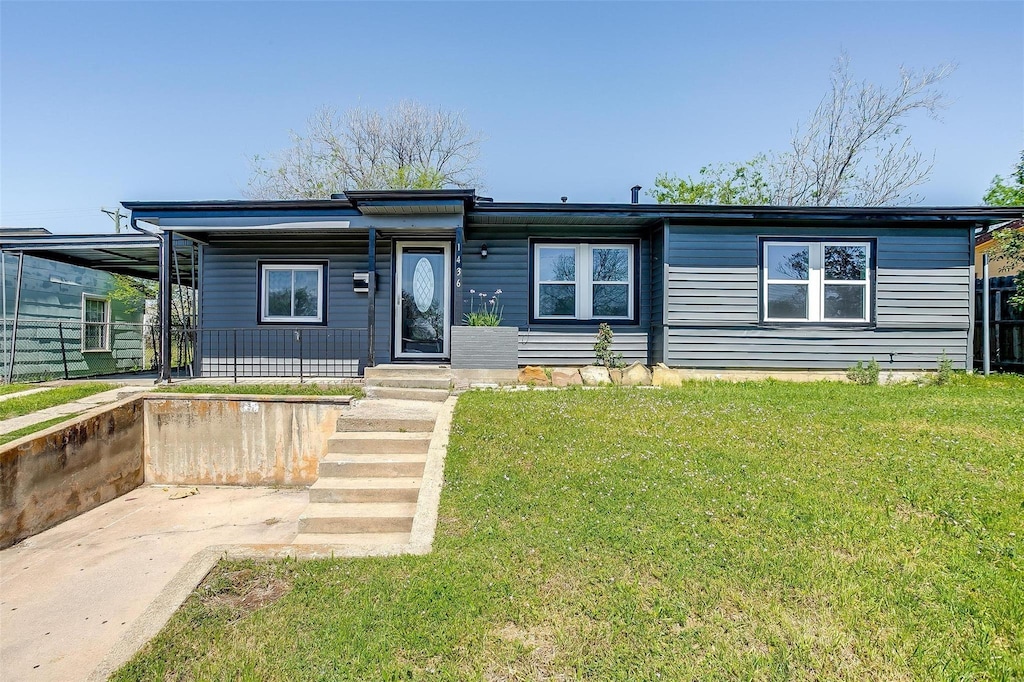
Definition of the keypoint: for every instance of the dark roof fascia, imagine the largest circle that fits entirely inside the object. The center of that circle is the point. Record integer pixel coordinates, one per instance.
(670, 211)
(238, 207)
(412, 195)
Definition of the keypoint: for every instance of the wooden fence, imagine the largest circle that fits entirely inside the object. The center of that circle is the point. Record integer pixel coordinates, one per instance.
(1006, 326)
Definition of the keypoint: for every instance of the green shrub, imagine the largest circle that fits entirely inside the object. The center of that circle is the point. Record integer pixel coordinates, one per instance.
(603, 348)
(865, 375)
(945, 373)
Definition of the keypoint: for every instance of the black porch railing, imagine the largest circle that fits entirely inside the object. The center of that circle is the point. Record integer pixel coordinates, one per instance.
(1006, 326)
(301, 352)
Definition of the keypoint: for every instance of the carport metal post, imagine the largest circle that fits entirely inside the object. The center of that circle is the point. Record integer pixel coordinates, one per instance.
(17, 311)
(166, 254)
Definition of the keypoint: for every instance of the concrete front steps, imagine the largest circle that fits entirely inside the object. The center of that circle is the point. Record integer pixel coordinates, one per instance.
(409, 382)
(370, 478)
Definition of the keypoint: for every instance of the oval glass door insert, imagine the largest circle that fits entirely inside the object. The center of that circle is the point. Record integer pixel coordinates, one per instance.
(423, 285)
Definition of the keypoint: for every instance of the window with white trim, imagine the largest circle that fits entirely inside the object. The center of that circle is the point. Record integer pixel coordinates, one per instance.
(292, 292)
(95, 323)
(583, 281)
(812, 281)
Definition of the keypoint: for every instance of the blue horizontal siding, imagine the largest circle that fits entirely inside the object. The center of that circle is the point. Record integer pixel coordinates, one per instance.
(922, 301)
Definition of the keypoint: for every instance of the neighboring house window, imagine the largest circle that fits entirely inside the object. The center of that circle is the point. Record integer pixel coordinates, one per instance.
(583, 281)
(95, 330)
(292, 292)
(811, 281)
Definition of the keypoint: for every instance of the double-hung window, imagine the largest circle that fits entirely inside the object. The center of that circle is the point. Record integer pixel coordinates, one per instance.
(816, 281)
(583, 281)
(292, 292)
(95, 323)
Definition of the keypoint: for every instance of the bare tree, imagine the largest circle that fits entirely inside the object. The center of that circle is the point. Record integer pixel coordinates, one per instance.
(855, 149)
(407, 146)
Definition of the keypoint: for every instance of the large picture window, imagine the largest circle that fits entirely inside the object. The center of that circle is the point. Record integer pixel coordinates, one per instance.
(95, 323)
(292, 292)
(583, 281)
(811, 281)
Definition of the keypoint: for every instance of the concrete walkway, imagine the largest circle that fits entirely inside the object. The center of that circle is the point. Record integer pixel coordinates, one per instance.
(66, 409)
(69, 594)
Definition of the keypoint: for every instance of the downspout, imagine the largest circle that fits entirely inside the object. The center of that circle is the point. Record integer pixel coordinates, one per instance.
(17, 311)
(986, 338)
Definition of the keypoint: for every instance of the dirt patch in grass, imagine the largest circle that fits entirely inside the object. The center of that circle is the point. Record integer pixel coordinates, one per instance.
(241, 590)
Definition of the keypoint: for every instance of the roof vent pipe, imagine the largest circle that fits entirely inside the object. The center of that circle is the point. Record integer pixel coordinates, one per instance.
(635, 189)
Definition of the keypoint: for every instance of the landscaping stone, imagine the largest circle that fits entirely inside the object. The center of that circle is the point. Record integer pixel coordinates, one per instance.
(595, 376)
(615, 375)
(566, 376)
(636, 375)
(532, 374)
(665, 376)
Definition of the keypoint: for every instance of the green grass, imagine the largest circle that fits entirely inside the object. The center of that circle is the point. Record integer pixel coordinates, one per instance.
(15, 435)
(267, 389)
(6, 389)
(719, 531)
(15, 407)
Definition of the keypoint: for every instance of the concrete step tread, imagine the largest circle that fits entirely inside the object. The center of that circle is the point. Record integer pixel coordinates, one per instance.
(381, 435)
(388, 458)
(350, 424)
(349, 539)
(365, 483)
(359, 510)
(391, 393)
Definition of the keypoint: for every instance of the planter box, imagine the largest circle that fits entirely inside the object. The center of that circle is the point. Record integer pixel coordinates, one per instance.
(485, 347)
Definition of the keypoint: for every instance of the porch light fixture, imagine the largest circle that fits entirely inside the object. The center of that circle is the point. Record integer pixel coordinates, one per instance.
(483, 250)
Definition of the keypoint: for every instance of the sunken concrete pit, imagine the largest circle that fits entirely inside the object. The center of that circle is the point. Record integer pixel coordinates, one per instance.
(175, 439)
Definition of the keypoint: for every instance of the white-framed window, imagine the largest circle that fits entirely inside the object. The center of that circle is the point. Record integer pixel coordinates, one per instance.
(585, 281)
(292, 292)
(816, 281)
(95, 323)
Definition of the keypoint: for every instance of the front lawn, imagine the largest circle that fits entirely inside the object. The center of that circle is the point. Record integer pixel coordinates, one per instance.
(718, 531)
(266, 389)
(20, 405)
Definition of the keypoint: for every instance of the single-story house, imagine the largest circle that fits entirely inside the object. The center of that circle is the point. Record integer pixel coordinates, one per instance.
(373, 277)
(62, 320)
(985, 243)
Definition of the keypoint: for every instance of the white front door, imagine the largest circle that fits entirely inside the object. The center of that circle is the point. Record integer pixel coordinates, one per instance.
(422, 316)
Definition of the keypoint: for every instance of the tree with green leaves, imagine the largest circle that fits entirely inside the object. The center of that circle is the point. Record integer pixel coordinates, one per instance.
(854, 149)
(407, 146)
(1009, 191)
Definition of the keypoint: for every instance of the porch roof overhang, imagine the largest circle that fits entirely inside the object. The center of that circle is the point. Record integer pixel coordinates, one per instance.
(136, 255)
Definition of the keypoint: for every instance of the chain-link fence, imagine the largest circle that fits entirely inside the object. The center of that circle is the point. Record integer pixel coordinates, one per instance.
(68, 349)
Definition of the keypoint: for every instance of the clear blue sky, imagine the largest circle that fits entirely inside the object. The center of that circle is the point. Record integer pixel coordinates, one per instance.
(103, 102)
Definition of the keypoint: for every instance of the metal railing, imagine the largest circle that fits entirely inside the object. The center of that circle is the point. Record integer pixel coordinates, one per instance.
(302, 352)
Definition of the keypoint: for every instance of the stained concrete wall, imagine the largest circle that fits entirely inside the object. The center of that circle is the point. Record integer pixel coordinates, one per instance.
(61, 472)
(237, 439)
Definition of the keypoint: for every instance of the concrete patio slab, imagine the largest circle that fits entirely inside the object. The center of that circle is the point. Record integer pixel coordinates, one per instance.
(70, 593)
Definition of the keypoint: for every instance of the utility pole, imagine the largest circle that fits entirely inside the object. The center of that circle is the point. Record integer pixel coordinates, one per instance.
(116, 216)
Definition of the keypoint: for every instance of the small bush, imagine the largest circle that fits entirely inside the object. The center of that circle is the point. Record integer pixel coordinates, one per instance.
(603, 348)
(865, 375)
(945, 372)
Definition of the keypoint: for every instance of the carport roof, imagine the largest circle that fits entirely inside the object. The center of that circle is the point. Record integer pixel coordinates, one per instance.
(136, 255)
